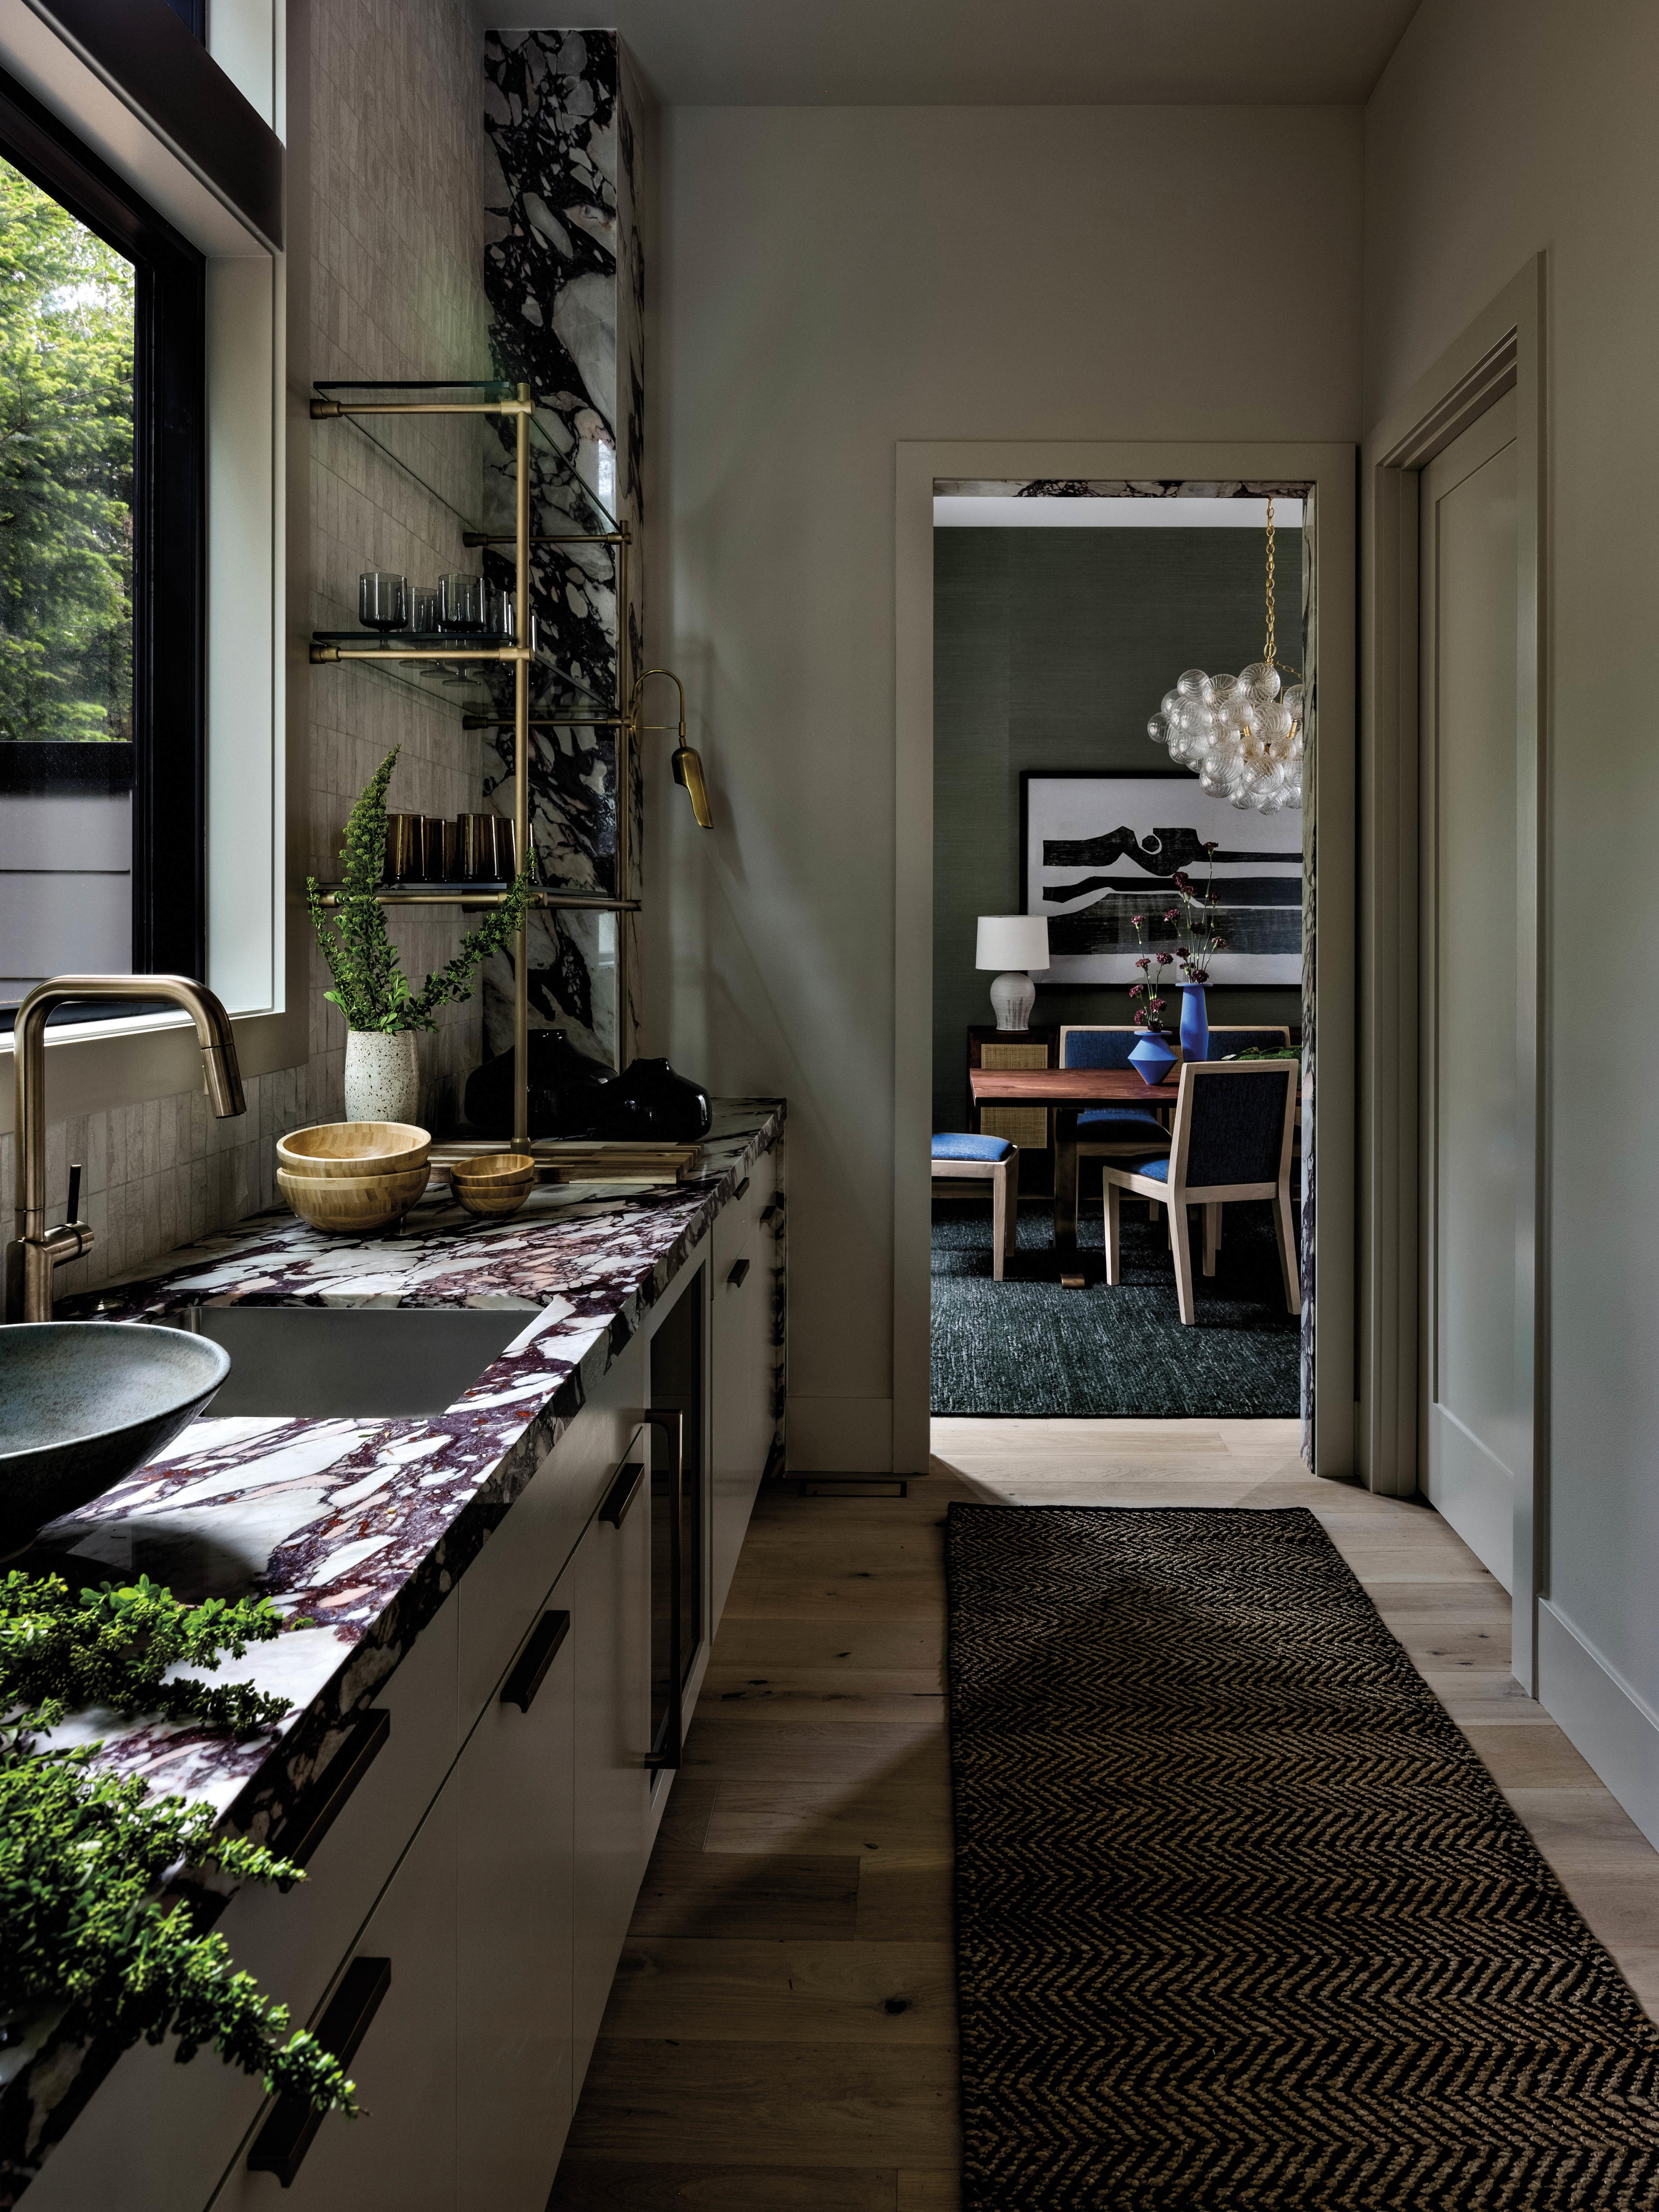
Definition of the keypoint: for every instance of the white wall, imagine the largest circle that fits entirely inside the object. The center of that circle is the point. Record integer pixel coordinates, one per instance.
(832, 280)
(1502, 129)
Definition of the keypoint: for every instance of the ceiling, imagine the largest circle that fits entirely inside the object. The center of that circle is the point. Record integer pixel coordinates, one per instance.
(896, 53)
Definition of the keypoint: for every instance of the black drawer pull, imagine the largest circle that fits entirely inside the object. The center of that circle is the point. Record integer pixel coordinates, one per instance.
(537, 1655)
(739, 1270)
(770, 1211)
(622, 1492)
(322, 1805)
(741, 1188)
(286, 2137)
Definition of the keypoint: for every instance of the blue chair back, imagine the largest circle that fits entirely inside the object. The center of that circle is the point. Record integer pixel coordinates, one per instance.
(1224, 1039)
(1098, 1048)
(1238, 1130)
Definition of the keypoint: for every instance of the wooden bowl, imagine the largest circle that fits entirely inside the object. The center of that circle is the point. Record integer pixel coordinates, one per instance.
(346, 1204)
(501, 1195)
(353, 1149)
(494, 1167)
(494, 1184)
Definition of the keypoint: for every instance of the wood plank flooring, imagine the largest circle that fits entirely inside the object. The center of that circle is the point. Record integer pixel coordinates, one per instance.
(781, 2037)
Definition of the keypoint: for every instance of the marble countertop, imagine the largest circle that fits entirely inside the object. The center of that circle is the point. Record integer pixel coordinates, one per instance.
(361, 1527)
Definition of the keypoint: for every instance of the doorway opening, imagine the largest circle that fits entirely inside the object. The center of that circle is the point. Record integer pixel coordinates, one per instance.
(1062, 615)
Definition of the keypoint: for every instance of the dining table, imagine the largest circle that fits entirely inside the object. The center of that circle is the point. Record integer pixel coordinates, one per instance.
(1067, 1092)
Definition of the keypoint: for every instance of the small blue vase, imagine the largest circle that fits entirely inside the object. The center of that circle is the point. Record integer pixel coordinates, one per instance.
(1195, 1028)
(1152, 1058)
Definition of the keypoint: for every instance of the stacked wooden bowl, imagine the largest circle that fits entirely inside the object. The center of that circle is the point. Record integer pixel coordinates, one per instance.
(495, 1182)
(353, 1176)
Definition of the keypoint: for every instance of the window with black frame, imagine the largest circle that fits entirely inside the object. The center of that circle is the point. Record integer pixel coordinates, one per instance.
(102, 868)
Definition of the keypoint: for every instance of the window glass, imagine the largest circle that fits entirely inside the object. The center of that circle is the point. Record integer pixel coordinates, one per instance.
(68, 311)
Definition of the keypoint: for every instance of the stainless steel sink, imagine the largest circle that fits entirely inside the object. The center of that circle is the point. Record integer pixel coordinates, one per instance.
(325, 1362)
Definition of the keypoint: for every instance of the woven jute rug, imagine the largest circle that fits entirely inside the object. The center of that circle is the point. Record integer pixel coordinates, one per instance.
(1241, 1921)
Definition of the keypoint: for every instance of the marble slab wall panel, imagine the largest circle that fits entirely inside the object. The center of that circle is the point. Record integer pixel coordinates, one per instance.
(564, 272)
(395, 289)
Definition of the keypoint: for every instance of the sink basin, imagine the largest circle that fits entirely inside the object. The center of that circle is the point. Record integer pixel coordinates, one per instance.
(84, 1402)
(339, 1362)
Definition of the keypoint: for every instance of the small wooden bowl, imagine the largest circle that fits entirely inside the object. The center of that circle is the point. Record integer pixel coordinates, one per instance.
(494, 1167)
(353, 1149)
(498, 1196)
(347, 1204)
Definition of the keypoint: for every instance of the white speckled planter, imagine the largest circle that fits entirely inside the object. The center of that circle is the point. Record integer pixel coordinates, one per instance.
(382, 1082)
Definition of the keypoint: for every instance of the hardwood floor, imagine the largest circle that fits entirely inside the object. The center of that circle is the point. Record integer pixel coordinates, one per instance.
(781, 2037)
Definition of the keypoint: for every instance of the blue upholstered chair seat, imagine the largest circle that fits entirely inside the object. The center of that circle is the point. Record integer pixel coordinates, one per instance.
(1158, 1169)
(1128, 1125)
(970, 1148)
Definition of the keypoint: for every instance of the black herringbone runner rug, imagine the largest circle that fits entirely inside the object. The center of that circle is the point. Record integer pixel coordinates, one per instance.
(1241, 1920)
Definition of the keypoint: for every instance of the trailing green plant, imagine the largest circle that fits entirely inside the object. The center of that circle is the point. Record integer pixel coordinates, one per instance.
(89, 1915)
(370, 988)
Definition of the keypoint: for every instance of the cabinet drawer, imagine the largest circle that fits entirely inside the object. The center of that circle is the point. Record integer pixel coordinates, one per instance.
(402, 2151)
(540, 1529)
(739, 1222)
(169, 2130)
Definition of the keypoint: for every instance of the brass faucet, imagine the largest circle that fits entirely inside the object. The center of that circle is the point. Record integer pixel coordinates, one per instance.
(37, 1251)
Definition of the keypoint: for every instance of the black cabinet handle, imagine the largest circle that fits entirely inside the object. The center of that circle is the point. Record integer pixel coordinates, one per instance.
(622, 1492)
(538, 1654)
(769, 1210)
(739, 1270)
(741, 1188)
(668, 1757)
(286, 2135)
(323, 1803)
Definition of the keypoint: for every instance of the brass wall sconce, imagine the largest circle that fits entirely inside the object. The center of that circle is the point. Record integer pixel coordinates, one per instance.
(686, 763)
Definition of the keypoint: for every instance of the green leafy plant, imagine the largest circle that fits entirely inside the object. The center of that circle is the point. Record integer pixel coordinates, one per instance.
(89, 1914)
(370, 988)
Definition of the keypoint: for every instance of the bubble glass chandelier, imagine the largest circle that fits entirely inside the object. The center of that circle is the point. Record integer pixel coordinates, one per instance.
(1241, 734)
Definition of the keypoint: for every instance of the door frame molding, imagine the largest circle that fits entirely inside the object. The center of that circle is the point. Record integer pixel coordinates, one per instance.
(1499, 352)
(1330, 468)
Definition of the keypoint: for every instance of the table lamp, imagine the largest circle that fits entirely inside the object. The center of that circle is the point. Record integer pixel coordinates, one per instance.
(1012, 942)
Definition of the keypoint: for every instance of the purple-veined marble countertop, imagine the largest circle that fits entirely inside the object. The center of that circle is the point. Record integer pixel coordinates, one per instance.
(360, 1527)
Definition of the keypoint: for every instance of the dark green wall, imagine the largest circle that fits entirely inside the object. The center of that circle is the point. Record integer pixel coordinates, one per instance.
(1051, 648)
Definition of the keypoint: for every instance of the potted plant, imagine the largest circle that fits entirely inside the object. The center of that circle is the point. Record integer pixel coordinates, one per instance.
(1196, 912)
(1152, 1055)
(383, 1014)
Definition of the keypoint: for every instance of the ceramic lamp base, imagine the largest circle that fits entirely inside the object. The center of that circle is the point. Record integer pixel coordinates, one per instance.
(1013, 994)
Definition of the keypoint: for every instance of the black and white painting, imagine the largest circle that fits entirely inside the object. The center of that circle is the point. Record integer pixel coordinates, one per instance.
(1101, 847)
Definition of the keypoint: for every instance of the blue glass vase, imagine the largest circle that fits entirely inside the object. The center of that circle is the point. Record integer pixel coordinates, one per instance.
(1152, 1058)
(1195, 1028)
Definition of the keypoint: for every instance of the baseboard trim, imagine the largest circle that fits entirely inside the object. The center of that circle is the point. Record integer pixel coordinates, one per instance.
(1602, 1717)
(839, 1435)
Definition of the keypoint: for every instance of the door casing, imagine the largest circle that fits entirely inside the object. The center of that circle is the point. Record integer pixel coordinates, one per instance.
(1499, 352)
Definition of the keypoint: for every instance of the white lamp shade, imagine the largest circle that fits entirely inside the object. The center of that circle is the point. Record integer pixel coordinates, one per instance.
(1012, 940)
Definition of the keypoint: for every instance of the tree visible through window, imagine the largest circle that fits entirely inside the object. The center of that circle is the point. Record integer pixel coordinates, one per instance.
(68, 317)
(66, 360)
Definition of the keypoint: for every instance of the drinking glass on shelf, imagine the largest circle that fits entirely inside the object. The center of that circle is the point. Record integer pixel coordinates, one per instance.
(423, 610)
(461, 602)
(382, 600)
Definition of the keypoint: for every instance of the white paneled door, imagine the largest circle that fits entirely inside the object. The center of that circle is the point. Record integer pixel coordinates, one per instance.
(1474, 1441)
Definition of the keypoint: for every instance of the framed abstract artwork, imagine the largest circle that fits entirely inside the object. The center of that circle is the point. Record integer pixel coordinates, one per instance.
(1098, 846)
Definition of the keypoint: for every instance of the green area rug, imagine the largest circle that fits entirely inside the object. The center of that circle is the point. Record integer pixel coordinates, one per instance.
(1025, 1347)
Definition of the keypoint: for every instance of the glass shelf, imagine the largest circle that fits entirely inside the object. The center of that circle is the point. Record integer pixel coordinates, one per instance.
(482, 895)
(469, 677)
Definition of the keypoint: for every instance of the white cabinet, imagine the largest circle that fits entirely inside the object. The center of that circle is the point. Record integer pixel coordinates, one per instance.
(743, 1294)
(399, 1984)
(514, 1947)
(610, 1587)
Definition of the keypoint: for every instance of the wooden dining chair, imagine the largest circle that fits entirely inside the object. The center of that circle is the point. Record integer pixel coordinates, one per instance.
(1233, 1125)
(995, 1160)
(1227, 1038)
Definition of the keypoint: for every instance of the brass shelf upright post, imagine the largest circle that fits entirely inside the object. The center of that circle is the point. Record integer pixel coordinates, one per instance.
(521, 777)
